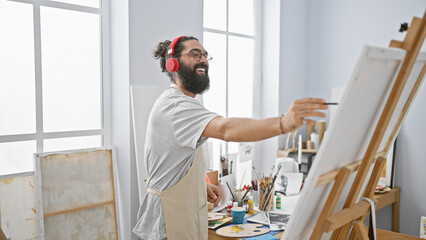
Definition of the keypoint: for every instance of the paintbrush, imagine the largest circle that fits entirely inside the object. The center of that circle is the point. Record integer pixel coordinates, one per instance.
(230, 190)
(255, 172)
(242, 199)
(272, 171)
(276, 174)
(241, 184)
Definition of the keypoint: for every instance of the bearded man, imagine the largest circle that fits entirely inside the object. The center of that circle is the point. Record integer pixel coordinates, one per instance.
(175, 206)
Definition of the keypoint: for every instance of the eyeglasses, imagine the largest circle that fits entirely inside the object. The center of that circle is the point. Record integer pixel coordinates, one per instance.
(196, 54)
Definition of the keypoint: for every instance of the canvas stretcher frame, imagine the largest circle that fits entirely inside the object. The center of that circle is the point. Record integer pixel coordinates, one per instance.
(76, 194)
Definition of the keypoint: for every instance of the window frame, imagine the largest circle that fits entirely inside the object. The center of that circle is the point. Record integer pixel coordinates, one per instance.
(105, 131)
(257, 80)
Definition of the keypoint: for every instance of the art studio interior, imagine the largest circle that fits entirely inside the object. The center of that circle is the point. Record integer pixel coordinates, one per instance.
(85, 139)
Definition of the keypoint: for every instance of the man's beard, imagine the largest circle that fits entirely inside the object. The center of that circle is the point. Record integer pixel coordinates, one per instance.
(193, 82)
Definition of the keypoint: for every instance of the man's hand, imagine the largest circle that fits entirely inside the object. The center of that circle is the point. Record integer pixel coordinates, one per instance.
(213, 194)
(299, 110)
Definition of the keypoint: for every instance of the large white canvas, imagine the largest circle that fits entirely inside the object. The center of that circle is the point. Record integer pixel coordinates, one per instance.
(76, 194)
(143, 98)
(353, 125)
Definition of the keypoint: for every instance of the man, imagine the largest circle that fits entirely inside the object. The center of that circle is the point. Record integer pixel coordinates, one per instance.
(175, 204)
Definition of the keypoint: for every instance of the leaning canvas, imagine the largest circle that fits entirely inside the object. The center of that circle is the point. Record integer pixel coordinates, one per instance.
(351, 130)
(76, 194)
(18, 218)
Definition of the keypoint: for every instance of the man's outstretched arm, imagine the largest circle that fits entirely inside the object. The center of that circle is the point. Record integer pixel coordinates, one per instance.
(248, 129)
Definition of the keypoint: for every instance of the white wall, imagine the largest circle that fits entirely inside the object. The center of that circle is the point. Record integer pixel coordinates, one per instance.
(120, 108)
(337, 30)
(410, 166)
(152, 22)
(284, 62)
(293, 53)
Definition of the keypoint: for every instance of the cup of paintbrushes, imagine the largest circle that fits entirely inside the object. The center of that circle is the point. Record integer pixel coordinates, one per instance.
(241, 196)
(266, 193)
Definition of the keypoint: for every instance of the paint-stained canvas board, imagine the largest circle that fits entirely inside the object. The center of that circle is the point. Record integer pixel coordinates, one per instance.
(76, 196)
(353, 125)
(95, 223)
(18, 218)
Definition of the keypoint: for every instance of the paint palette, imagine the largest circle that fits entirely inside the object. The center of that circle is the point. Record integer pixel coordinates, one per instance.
(218, 223)
(214, 216)
(242, 230)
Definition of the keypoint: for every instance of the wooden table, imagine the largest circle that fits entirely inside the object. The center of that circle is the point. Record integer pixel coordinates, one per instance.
(383, 200)
(381, 234)
(387, 235)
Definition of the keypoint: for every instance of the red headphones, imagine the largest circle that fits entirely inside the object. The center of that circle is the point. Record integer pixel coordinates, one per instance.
(172, 64)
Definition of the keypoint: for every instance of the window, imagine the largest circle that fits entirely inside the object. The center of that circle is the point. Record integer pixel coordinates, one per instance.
(53, 87)
(230, 36)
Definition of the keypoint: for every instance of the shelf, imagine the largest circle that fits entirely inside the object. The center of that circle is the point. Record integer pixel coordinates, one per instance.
(284, 153)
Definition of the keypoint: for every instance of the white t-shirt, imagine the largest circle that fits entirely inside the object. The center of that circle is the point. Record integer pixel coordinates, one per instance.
(173, 134)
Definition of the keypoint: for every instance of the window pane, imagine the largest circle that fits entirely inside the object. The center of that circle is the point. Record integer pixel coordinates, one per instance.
(215, 97)
(71, 70)
(241, 16)
(240, 77)
(59, 144)
(16, 157)
(212, 148)
(87, 3)
(215, 14)
(17, 84)
(240, 81)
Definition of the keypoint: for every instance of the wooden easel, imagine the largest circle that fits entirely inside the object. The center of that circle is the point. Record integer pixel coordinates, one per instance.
(353, 214)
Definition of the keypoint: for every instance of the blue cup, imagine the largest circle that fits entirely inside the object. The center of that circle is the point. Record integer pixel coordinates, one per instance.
(237, 215)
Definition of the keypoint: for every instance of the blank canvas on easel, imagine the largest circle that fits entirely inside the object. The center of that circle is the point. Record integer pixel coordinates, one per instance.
(353, 126)
(76, 194)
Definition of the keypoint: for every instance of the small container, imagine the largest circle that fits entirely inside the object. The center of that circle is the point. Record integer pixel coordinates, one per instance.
(278, 203)
(256, 198)
(237, 215)
(315, 139)
(210, 206)
(250, 204)
(241, 203)
(228, 208)
(266, 199)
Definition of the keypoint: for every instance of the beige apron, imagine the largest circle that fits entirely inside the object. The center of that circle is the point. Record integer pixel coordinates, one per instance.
(185, 203)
